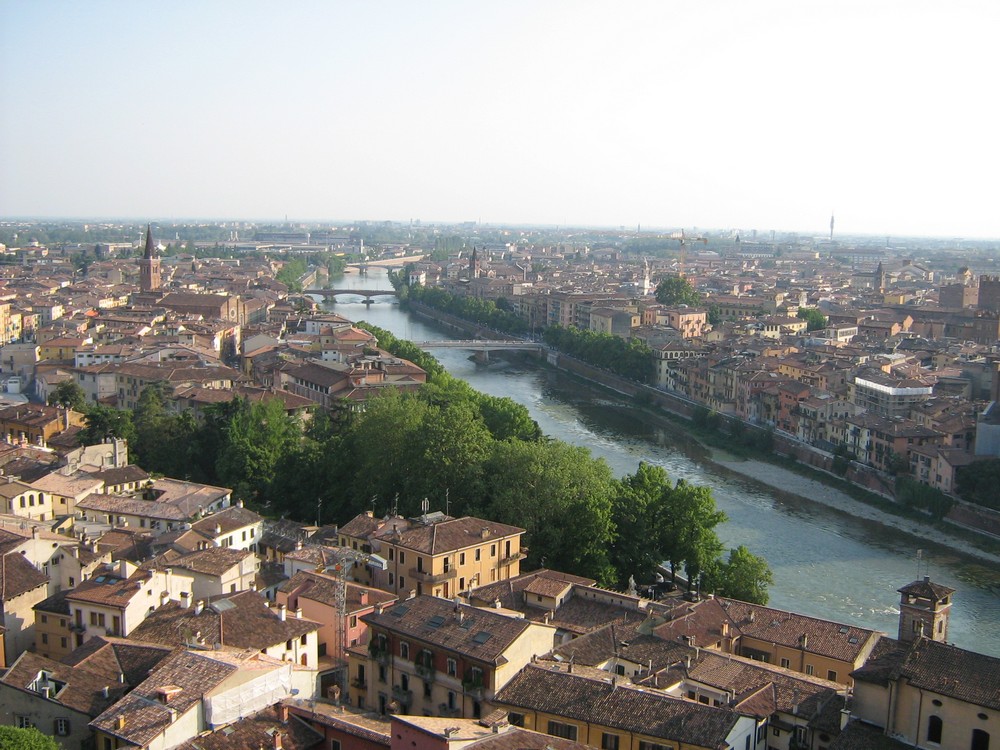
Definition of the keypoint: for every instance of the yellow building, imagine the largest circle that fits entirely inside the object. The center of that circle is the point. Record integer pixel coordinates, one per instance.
(595, 710)
(931, 694)
(434, 554)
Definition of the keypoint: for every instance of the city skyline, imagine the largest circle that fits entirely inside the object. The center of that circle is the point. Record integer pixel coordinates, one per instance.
(656, 114)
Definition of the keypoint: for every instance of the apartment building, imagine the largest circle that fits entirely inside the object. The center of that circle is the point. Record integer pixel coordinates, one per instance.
(434, 554)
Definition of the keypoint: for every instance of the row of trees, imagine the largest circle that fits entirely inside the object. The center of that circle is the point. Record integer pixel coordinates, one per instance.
(496, 315)
(628, 358)
(467, 452)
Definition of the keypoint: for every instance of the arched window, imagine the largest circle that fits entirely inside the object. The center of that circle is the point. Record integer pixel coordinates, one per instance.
(934, 728)
(980, 740)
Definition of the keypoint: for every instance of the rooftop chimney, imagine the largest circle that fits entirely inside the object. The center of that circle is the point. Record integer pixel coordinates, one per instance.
(363, 596)
(282, 612)
(277, 740)
(185, 599)
(120, 722)
(298, 613)
(199, 606)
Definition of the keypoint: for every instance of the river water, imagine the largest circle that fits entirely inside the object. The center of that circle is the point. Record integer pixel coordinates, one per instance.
(826, 563)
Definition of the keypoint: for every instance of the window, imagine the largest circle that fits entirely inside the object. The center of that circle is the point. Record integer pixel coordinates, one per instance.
(831, 675)
(786, 663)
(391, 579)
(354, 621)
(334, 744)
(461, 558)
(402, 582)
(303, 639)
(45, 619)
(609, 741)
(478, 554)
(980, 740)
(558, 729)
(392, 554)
(22, 722)
(45, 638)
(62, 727)
(452, 667)
(404, 649)
(935, 728)
(402, 557)
(493, 550)
(427, 689)
(809, 669)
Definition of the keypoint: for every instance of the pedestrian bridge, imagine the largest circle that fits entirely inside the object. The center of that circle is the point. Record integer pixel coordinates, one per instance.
(483, 345)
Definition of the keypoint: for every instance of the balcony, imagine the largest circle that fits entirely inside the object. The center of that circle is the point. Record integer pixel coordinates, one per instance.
(514, 557)
(424, 577)
(379, 653)
(425, 671)
(402, 697)
(359, 683)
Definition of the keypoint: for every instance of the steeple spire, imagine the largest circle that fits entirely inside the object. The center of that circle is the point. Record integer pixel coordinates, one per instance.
(150, 247)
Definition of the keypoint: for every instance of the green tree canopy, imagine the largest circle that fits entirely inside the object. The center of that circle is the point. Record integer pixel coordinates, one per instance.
(977, 483)
(561, 496)
(12, 738)
(638, 506)
(70, 394)
(815, 320)
(744, 576)
(688, 524)
(105, 422)
(676, 290)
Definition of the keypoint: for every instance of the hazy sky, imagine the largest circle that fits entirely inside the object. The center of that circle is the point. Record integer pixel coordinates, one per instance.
(701, 113)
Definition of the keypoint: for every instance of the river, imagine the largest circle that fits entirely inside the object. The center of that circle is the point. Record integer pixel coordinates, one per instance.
(826, 563)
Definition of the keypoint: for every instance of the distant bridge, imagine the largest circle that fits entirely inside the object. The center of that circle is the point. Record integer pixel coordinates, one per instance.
(368, 294)
(484, 345)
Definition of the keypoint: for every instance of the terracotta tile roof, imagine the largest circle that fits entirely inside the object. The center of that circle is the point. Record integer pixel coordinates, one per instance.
(145, 717)
(55, 604)
(480, 634)
(860, 736)
(449, 535)
(122, 475)
(368, 726)
(824, 637)
(18, 576)
(257, 731)
(248, 624)
(229, 519)
(925, 589)
(213, 561)
(131, 506)
(631, 709)
(105, 586)
(325, 589)
(361, 525)
(939, 668)
(81, 682)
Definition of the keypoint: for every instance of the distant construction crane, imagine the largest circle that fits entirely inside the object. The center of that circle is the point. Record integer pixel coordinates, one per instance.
(684, 240)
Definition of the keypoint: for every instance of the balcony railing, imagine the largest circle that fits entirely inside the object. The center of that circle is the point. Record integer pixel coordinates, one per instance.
(426, 671)
(403, 697)
(424, 577)
(514, 557)
(359, 683)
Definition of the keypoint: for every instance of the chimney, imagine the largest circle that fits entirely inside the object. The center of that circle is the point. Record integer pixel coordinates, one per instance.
(283, 713)
(927, 579)
(298, 613)
(363, 596)
(120, 722)
(277, 740)
(164, 597)
(282, 612)
(805, 641)
(185, 599)
(218, 529)
(105, 691)
(725, 629)
(239, 503)
(484, 532)
(199, 606)
(34, 532)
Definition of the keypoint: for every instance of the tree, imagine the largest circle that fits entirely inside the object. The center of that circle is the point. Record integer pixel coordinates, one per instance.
(12, 738)
(977, 483)
(688, 520)
(69, 394)
(744, 576)
(104, 422)
(676, 290)
(815, 320)
(254, 441)
(561, 496)
(637, 507)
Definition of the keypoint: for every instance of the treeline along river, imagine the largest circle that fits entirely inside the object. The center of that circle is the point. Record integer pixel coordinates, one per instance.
(826, 563)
